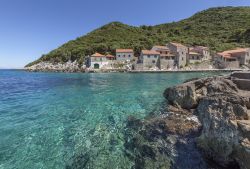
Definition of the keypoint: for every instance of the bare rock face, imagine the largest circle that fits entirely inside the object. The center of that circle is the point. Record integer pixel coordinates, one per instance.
(220, 132)
(224, 116)
(183, 96)
(188, 94)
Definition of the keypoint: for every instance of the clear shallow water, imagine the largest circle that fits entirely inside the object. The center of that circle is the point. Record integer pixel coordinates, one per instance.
(46, 119)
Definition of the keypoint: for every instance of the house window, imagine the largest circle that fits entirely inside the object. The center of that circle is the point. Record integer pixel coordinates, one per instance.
(129, 56)
(155, 56)
(124, 56)
(148, 56)
(153, 61)
(119, 56)
(182, 58)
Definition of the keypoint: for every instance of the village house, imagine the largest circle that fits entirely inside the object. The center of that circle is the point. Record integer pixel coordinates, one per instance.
(180, 52)
(97, 61)
(198, 54)
(150, 59)
(124, 54)
(167, 59)
(110, 57)
(234, 58)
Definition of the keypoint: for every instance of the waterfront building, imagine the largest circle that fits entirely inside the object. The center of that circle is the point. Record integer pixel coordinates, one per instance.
(150, 59)
(180, 52)
(97, 61)
(233, 58)
(198, 54)
(124, 54)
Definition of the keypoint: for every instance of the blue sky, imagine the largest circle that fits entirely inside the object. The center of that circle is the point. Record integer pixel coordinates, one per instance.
(30, 28)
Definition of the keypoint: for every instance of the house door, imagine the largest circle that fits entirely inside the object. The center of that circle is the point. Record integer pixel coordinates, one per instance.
(96, 66)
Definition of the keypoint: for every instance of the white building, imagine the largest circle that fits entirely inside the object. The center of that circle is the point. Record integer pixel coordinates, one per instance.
(97, 61)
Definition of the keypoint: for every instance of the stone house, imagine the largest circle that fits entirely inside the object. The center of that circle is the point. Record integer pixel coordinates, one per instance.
(240, 55)
(97, 61)
(180, 52)
(150, 59)
(110, 57)
(198, 54)
(167, 59)
(124, 54)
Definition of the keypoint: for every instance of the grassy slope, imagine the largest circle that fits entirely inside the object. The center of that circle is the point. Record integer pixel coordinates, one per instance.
(219, 28)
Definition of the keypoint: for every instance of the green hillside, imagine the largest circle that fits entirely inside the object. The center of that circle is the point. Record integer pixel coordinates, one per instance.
(219, 28)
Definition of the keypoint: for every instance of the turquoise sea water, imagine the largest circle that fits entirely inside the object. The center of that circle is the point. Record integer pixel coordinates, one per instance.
(47, 119)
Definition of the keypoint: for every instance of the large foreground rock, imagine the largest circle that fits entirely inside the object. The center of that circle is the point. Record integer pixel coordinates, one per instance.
(223, 113)
(188, 94)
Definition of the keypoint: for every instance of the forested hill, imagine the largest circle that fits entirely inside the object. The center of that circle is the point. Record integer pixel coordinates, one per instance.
(219, 28)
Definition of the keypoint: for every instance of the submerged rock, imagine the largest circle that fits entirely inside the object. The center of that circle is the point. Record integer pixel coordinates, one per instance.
(161, 142)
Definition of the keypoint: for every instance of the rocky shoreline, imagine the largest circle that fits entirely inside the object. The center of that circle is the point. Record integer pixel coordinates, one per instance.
(69, 67)
(205, 125)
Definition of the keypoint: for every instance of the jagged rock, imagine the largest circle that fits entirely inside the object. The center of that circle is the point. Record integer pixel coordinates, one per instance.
(242, 154)
(223, 113)
(219, 132)
(244, 126)
(188, 94)
(183, 96)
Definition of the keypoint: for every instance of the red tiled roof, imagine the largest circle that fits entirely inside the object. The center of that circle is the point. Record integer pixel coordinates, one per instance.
(97, 55)
(150, 52)
(124, 51)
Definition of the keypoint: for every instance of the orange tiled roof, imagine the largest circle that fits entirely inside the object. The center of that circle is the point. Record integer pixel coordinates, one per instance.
(97, 55)
(228, 53)
(150, 52)
(124, 51)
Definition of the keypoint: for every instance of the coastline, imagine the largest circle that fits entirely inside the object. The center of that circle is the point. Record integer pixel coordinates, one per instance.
(132, 71)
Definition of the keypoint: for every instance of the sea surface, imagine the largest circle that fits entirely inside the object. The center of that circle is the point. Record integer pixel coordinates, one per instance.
(49, 119)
